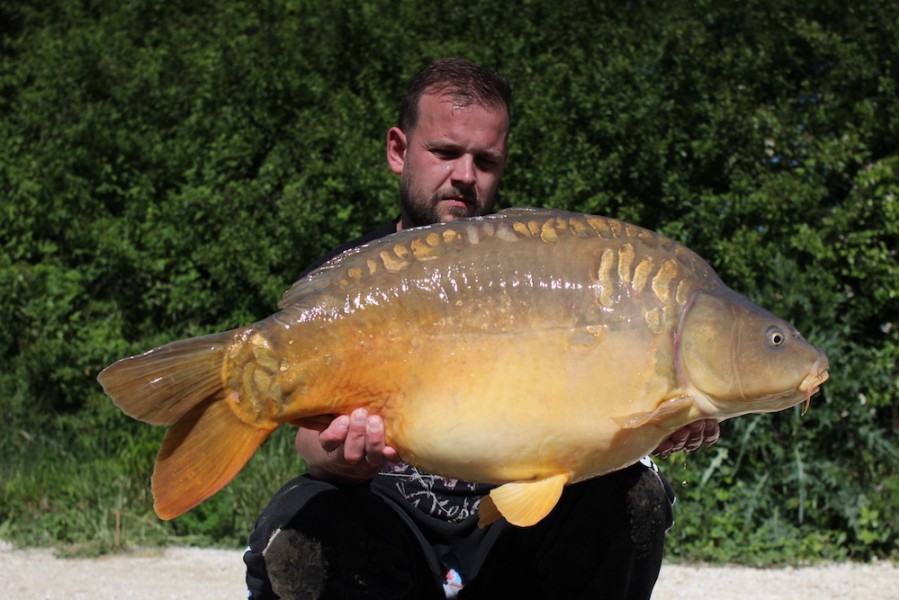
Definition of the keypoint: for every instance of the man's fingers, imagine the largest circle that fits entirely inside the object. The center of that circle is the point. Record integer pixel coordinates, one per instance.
(335, 434)
(712, 432)
(694, 435)
(374, 441)
(391, 455)
(690, 437)
(354, 446)
(358, 438)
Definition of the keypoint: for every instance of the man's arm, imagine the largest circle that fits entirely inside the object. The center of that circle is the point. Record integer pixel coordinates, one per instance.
(350, 450)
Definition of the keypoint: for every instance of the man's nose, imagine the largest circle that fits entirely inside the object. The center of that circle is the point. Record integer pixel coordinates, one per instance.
(464, 171)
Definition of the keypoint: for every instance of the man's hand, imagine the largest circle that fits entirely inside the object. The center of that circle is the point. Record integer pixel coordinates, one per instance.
(351, 449)
(690, 438)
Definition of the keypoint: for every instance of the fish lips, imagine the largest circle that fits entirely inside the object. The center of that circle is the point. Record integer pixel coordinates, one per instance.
(813, 381)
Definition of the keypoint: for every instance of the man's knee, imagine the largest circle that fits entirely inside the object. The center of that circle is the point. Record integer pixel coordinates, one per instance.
(295, 564)
(337, 543)
(648, 503)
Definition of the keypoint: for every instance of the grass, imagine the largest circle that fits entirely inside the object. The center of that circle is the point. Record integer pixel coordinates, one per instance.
(93, 505)
(85, 490)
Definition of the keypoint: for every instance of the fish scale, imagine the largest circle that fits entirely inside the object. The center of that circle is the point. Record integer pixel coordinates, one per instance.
(528, 349)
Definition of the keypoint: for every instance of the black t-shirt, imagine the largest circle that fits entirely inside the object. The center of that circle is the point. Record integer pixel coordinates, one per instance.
(383, 230)
(451, 500)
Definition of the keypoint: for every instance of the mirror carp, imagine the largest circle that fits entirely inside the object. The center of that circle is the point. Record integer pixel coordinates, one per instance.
(529, 349)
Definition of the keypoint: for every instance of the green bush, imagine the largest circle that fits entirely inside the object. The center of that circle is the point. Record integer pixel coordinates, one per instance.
(168, 168)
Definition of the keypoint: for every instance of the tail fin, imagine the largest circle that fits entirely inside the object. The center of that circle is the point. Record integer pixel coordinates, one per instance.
(180, 384)
(200, 455)
(164, 384)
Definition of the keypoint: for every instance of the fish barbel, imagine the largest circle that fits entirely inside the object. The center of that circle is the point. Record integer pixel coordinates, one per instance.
(529, 349)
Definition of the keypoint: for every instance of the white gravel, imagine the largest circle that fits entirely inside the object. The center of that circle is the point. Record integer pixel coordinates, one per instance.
(210, 574)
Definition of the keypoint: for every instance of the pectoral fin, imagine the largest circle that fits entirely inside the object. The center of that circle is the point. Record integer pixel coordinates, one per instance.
(522, 503)
(670, 409)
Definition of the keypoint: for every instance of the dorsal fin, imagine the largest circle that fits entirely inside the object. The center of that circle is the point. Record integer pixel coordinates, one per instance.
(530, 211)
(304, 292)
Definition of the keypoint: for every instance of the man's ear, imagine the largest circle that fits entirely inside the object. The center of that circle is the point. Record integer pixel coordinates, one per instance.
(396, 149)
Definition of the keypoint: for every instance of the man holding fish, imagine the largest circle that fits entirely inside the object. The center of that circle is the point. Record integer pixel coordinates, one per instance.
(362, 524)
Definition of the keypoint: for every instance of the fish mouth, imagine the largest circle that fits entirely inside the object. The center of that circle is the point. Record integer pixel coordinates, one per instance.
(812, 383)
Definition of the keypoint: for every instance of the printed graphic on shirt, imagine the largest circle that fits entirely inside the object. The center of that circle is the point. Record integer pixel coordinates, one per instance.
(452, 500)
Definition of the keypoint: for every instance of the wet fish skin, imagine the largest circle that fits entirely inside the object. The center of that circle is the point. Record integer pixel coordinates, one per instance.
(529, 349)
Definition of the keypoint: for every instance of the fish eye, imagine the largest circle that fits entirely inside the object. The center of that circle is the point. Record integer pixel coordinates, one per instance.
(776, 337)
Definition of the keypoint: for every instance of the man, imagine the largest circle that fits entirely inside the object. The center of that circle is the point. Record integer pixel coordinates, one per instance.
(360, 524)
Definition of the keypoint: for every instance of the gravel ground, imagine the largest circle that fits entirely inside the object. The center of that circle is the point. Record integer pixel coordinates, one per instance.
(211, 574)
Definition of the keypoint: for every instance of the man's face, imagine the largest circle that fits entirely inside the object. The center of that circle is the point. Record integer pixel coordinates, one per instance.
(451, 162)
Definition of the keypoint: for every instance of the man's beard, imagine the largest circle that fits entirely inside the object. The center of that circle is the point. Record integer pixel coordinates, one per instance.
(425, 212)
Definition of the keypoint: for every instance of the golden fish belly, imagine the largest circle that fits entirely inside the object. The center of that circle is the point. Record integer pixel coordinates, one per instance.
(494, 407)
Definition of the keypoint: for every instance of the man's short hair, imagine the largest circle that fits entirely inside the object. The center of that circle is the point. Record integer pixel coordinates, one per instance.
(465, 81)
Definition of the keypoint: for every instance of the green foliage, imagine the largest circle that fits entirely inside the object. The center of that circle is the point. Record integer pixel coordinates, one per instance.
(168, 168)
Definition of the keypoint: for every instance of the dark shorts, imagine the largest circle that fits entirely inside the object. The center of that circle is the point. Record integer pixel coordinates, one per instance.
(603, 540)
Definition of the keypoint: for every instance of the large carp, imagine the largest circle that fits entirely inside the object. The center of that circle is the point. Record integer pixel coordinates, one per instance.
(529, 349)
